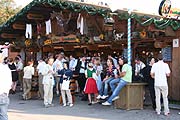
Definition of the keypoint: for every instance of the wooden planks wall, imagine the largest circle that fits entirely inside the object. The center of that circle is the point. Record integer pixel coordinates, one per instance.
(175, 82)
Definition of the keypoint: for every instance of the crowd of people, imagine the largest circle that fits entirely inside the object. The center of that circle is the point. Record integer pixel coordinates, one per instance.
(96, 80)
(155, 74)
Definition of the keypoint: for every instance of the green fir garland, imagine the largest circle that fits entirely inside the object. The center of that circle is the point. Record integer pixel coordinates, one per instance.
(92, 10)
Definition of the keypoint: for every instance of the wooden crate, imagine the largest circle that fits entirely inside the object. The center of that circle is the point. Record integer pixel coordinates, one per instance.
(131, 97)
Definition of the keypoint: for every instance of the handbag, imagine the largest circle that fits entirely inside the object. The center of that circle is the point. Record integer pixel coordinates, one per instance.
(65, 84)
(4, 99)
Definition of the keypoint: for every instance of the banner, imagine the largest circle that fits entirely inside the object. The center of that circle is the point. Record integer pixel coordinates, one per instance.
(166, 10)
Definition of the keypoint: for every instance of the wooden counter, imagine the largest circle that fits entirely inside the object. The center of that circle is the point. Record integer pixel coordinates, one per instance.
(131, 96)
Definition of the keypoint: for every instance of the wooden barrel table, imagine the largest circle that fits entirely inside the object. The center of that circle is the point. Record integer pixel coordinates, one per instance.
(73, 86)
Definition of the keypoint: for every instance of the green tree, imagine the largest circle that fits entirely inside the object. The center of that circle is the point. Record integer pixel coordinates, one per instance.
(7, 10)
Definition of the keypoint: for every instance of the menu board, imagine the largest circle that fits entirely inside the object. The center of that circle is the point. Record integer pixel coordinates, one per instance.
(125, 51)
(167, 53)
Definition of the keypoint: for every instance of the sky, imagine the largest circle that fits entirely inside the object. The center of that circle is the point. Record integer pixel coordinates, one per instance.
(146, 6)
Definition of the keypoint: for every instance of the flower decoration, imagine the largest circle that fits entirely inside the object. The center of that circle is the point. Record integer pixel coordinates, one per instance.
(143, 34)
(27, 42)
(101, 36)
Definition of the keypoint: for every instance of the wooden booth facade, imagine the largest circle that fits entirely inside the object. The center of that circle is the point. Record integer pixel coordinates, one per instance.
(77, 27)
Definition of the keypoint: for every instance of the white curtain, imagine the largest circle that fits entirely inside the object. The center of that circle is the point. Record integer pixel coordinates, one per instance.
(48, 27)
(28, 31)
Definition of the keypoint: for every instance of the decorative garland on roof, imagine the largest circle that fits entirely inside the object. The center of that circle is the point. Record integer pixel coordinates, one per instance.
(146, 21)
(92, 10)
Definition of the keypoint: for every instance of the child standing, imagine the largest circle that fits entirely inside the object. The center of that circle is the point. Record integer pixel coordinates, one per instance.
(98, 68)
(91, 86)
(65, 77)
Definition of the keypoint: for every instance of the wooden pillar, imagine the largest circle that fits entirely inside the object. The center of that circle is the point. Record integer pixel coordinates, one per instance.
(175, 72)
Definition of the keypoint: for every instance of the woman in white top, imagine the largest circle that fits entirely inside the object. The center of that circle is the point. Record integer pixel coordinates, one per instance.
(27, 79)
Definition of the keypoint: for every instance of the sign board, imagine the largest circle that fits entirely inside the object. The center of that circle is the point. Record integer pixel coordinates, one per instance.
(176, 43)
(167, 53)
(166, 10)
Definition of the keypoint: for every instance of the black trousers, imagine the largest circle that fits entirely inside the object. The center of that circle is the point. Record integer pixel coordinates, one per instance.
(81, 81)
(152, 94)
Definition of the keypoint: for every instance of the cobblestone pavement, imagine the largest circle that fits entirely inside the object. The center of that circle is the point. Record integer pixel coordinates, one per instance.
(34, 110)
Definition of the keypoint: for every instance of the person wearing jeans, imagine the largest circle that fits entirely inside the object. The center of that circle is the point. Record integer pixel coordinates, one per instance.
(110, 75)
(104, 92)
(115, 94)
(113, 83)
(124, 77)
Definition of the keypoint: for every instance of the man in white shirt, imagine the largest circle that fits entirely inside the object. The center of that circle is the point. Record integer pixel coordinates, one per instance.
(139, 65)
(40, 67)
(5, 86)
(72, 63)
(81, 67)
(159, 72)
(48, 82)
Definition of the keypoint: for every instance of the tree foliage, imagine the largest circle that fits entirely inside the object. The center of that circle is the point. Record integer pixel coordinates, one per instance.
(7, 10)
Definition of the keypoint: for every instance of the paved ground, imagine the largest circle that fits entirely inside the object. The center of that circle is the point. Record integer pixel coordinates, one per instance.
(34, 110)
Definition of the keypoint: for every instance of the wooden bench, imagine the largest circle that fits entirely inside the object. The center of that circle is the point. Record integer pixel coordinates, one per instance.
(131, 96)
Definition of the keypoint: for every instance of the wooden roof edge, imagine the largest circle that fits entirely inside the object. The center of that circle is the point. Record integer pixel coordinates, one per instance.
(89, 4)
(138, 13)
(146, 14)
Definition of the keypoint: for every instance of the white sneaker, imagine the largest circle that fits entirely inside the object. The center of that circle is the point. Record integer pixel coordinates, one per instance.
(57, 92)
(158, 113)
(46, 106)
(51, 105)
(104, 96)
(64, 105)
(70, 105)
(115, 98)
(106, 103)
(167, 114)
(99, 96)
(94, 102)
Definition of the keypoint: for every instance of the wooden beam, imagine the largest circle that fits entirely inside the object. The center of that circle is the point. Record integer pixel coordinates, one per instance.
(97, 25)
(6, 35)
(68, 48)
(19, 26)
(92, 47)
(10, 30)
(33, 16)
(40, 8)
